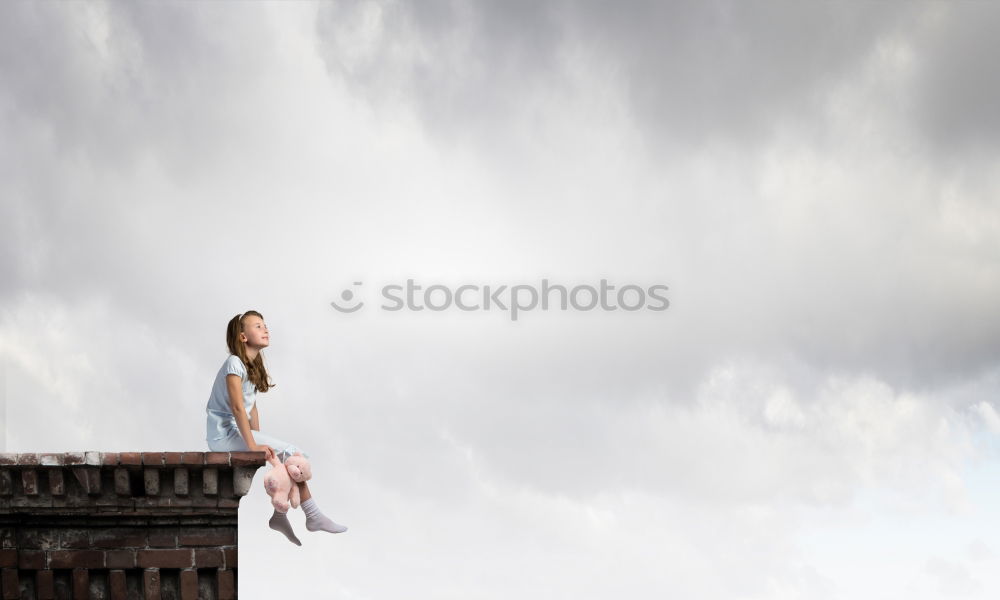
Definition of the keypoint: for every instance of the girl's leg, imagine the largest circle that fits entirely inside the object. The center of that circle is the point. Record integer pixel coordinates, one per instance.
(234, 443)
(282, 448)
(315, 519)
(280, 523)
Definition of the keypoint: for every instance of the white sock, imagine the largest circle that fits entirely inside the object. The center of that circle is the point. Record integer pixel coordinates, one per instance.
(317, 521)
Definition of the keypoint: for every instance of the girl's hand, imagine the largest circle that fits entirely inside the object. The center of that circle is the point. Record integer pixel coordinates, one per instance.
(267, 450)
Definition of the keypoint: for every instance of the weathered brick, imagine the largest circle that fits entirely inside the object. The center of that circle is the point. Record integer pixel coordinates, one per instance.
(151, 584)
(165, 559)
(81, 584)
(193, 458)
(247, 459)
(231, 557)
(120, 559)
(173, 459)
(109, 498)
(210, 482)
(109, 511)
(31, 559)
(207, 536)
(118, 537)
(116, 583)
(154, 505)
(205, 558)
(92, 458)
(217, 458)
(189, 584)
(151, 479)
(203, 502)
(7, 538)
(162, 537)
(11, 585)
(227, 584)
(76, 501)
(57, 486)
(71, 559)
(242, 480)
(177, 504)
(8, 458)
(44, 585)
(152, 459)
(147, 505)
(28, 459)
(29, 479)
(74, 538)
(123, 483)
(49, 459)
(212, 519)
(8, 558)
(181, 482)
(24, 501)
(41, 539)
(94, 481)
(130, 458)
(6, 483)
(109, 459)
(74, 458)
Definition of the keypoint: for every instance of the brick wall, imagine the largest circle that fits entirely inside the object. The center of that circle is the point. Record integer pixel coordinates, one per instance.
(121, 525)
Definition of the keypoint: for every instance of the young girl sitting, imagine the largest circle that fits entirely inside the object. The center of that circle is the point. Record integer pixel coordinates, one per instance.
(233, 420)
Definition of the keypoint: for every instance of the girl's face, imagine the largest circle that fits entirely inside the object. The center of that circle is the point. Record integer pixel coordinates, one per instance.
(255, 333)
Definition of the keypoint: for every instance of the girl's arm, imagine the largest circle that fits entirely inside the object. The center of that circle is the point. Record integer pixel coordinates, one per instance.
(254, 419)
(235, 387)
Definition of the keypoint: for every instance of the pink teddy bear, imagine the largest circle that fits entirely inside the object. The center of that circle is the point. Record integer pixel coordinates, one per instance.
(278, 483)
(298, 468)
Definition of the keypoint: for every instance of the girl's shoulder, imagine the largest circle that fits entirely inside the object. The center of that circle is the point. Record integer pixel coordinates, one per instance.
(234, 366)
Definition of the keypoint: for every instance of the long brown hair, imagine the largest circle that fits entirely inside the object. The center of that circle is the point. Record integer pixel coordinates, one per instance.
(255, 368)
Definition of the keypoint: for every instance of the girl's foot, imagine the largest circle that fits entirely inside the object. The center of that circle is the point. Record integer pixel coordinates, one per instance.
(317, 521)
(279, 522)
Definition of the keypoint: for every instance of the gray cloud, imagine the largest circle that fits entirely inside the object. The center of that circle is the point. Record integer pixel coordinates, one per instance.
(955, 91)
(703, 76)
(692, 72)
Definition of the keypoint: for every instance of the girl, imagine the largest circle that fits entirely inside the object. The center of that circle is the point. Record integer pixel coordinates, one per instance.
(233, 421)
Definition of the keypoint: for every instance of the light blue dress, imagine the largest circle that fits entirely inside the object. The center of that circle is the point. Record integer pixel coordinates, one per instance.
(221, 432)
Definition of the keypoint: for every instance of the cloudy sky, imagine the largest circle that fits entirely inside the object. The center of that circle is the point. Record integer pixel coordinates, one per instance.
(814, 416)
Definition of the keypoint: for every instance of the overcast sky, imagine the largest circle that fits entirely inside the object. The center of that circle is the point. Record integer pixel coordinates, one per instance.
(814, 416)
